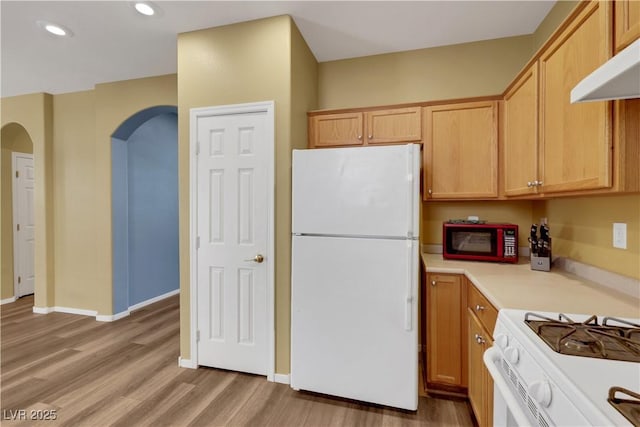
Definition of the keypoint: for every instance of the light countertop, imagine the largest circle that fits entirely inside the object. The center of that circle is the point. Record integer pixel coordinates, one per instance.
(517, 286)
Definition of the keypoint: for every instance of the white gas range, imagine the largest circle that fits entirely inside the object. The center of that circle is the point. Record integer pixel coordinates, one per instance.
(535, 385)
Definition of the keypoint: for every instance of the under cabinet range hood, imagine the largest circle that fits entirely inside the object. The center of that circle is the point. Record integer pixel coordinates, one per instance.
(618, 78)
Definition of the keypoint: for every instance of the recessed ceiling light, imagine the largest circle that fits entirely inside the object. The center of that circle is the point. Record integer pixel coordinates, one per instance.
(55, 29)
(144, 8)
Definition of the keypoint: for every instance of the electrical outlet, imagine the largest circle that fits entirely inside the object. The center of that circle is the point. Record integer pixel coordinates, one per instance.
(620, 235)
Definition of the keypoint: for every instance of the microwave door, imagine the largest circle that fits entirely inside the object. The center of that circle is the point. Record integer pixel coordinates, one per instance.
(472, 242)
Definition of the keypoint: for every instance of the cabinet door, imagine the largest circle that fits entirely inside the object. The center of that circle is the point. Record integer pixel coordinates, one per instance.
(461, 151)
(575, 139)
(400, 125)
(335, 130)
(444, 329)
(627, 22)
(480, 382)
(520, 146)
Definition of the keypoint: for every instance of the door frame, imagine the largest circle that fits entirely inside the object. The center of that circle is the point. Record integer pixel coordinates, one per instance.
(267, 107)
(14, 208)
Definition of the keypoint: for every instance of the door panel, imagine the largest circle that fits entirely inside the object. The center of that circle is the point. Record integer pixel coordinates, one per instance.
(24, 224)
(232, 227)
(368, 191)
(354, 318)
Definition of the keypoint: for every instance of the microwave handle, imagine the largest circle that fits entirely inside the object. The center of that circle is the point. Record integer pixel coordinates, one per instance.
(500, 251)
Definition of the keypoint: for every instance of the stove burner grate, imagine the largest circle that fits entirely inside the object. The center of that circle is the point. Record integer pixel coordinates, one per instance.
(630, 408)
(614, 339)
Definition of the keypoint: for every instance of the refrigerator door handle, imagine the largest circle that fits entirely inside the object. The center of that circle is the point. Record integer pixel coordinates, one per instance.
(410, 201)
(408, 309)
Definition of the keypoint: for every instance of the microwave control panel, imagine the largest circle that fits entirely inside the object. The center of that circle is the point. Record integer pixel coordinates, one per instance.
(510, 244)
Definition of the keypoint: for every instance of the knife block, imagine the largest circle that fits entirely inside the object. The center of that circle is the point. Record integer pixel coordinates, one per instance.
(541, 263)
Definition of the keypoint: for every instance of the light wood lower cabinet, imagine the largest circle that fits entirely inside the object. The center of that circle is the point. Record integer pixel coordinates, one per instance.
(446, 327)
(480, 382)
(481, 318)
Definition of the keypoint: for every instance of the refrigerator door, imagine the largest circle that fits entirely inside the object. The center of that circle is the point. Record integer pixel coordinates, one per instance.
(363, 191)
(354, 319)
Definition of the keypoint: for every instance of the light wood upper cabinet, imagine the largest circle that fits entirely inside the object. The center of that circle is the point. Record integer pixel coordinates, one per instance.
(446, 327)
(520, 145)
(335, 130)
(575, 139)
(382, 126)
(626, 15)
(461, 151)
(400, 125)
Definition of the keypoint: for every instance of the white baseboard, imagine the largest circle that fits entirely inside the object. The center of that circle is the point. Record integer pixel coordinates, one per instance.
(8, 300)
(114, 317)
(282, 378)
(187, 363)
(94, 313)
(71, 310)
(154, 299)
(111, 317)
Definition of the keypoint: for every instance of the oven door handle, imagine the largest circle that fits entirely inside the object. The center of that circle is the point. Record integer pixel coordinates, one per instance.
(491, 359)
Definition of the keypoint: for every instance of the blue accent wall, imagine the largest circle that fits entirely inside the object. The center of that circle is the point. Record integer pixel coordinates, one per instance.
(145, 209)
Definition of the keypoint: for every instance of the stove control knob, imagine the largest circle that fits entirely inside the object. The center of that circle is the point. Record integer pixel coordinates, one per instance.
(502, 341)
(541, 392)
(512, 354)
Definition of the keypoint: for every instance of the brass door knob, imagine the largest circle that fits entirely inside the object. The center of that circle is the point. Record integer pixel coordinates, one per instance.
(258, 258)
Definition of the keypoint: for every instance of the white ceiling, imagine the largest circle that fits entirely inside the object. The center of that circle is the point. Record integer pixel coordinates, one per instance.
(111, 42)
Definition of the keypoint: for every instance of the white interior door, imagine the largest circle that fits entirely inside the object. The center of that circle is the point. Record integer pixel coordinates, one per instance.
(23, 224)
(233, 256)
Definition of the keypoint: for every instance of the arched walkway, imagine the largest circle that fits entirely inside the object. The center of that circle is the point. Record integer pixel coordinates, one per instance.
(144, 154)
(15, 139)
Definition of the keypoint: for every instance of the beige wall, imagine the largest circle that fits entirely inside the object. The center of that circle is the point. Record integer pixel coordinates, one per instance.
(246, 62)
(78, 155)
(74, 162)
(304, 97)
(115, 103)
(14, 139)
(35, 114)
(457, 71)
(582, 229)
(435, 213)
(554, 18)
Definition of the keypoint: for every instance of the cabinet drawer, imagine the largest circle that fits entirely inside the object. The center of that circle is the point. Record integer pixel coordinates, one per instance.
(486, 312)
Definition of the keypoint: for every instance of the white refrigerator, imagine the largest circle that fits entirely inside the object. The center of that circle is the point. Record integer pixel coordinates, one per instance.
(354, 274)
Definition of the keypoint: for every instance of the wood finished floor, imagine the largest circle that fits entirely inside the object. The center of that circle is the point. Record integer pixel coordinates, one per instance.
(125, 373)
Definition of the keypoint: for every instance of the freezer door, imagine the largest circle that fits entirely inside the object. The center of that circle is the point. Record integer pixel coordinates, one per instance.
(363, 191)
(354, 319)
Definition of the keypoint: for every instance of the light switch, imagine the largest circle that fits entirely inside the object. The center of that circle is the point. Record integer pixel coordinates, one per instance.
(620, 235)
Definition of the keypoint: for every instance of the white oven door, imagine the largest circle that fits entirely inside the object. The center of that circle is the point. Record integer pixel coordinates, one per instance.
(508, 408)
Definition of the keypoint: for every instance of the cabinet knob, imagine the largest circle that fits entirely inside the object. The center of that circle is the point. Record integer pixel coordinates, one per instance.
(433, 283)
(479, 307)
(429, 191)
(359, 136)
(529, 184)
(370, 136)
(539, 183)
(479, 339)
